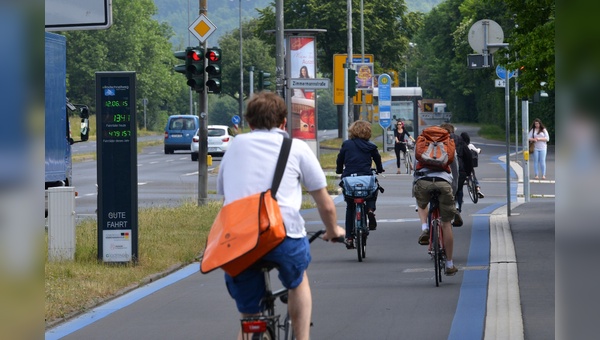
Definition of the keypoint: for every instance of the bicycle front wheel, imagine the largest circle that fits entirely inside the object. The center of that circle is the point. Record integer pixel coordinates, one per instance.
(289, 330)
(408, 161)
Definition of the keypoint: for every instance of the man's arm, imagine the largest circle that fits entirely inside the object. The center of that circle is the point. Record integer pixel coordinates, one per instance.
(328, 214)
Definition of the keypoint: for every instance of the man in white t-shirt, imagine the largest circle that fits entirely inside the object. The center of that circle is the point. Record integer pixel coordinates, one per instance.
(247, 168)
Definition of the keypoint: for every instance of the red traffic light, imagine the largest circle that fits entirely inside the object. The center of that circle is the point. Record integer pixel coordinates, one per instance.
(213, 55)
(194, 55)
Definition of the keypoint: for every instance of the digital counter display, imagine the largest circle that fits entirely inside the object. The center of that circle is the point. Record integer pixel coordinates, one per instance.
(117, 167)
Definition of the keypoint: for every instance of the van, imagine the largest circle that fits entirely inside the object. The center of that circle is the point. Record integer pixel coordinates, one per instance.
(179, 132)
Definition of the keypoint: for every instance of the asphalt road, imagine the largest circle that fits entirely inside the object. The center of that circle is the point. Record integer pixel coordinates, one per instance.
(392, 294)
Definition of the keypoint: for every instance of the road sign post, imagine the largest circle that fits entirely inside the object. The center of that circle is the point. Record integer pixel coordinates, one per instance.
(385, 104)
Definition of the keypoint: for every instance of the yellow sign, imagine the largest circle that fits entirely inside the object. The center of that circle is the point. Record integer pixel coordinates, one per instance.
(339, 60)
(202, 28)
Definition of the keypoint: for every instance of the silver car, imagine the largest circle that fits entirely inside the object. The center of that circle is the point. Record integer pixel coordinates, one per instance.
(219, 138)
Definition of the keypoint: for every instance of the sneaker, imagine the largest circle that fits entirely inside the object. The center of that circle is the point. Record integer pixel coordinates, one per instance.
(398, 172)
(480, 194)
(350, 243)
(372, 221)
(458, 221)
(451, 271)
(424, 238)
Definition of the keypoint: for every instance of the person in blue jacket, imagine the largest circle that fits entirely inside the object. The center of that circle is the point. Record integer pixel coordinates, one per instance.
(356, 156)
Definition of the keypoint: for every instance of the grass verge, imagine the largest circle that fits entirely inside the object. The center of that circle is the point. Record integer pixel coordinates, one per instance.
(168, 238)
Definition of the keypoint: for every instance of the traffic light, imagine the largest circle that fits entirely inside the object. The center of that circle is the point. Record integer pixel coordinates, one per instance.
(352, 82)
(263, 80)
(194, 65)
(182, 68)
(213, 70)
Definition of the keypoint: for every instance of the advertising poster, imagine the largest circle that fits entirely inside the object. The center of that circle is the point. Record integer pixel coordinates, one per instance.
(302, 65)
(364, 76)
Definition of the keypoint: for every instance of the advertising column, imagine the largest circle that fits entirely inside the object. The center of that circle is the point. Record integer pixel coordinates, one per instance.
(304, 108)
(116, 149)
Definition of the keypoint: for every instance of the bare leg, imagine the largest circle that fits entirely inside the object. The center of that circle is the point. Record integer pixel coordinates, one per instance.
(300, 309)
(448, 239)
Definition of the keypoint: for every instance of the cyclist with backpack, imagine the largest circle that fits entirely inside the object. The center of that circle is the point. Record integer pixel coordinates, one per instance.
(437, 168)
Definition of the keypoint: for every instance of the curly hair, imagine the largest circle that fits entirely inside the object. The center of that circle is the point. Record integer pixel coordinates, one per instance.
(265, 110)
(360, 129)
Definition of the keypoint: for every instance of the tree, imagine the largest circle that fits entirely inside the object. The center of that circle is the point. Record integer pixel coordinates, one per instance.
(532, 41)
(255, 53)
(383, 23)
(135, 42)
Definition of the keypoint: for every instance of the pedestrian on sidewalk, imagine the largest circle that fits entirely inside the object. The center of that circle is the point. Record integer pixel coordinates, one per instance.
(540, 136)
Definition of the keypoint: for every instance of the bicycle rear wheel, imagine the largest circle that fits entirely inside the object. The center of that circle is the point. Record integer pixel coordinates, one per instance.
(359, 243)
(435, 245)
(472, 189)
(365, 234)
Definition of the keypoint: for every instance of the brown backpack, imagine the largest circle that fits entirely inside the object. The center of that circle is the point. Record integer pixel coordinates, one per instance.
(435, 149)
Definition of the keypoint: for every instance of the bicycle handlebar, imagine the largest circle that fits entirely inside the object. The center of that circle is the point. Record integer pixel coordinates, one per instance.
(317, 234)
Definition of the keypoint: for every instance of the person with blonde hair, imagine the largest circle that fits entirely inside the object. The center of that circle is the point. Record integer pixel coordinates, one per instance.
(356, 156)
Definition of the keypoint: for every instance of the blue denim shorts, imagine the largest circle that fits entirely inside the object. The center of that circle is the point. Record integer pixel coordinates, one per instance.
(248, 288)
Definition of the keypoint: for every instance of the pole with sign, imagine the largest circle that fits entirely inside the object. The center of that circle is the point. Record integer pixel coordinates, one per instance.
(385, 104)
(117, 167)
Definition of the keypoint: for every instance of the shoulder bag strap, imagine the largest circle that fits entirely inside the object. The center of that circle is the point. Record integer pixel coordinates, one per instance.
(281, 162)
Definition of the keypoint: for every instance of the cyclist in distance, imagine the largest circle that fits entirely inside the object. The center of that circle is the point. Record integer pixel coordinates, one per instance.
(242, 173)
(400, 135)
(426, 179)
(355, 157)
(465, 167)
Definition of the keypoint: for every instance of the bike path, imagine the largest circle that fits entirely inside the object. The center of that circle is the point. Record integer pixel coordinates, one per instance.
(160, 305)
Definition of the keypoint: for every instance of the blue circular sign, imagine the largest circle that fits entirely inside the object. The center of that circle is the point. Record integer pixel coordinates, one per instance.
(501, 72)
(235, 119)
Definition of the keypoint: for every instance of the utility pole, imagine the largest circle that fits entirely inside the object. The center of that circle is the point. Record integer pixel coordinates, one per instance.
(203, 142)
(347, 102)
(279, 60)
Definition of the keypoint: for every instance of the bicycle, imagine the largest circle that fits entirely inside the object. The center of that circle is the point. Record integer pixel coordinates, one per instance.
(408, 156)
(472, 187)
(268, 326)
(436, 236)
(359, 191)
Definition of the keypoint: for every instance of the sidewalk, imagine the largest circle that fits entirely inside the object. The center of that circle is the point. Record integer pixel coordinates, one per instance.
(521, 286)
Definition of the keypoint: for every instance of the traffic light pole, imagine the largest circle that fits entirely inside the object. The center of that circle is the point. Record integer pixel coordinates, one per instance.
(203, 142)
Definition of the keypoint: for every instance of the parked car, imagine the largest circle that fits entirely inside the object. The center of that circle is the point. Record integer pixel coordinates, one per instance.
(219, 139)
(179, 132)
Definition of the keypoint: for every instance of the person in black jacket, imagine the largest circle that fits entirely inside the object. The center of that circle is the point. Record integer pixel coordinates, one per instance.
(355, 157)
(465, 167)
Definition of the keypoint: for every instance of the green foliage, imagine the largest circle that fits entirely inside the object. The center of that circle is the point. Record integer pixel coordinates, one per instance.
(135, 42)
(383, 26)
